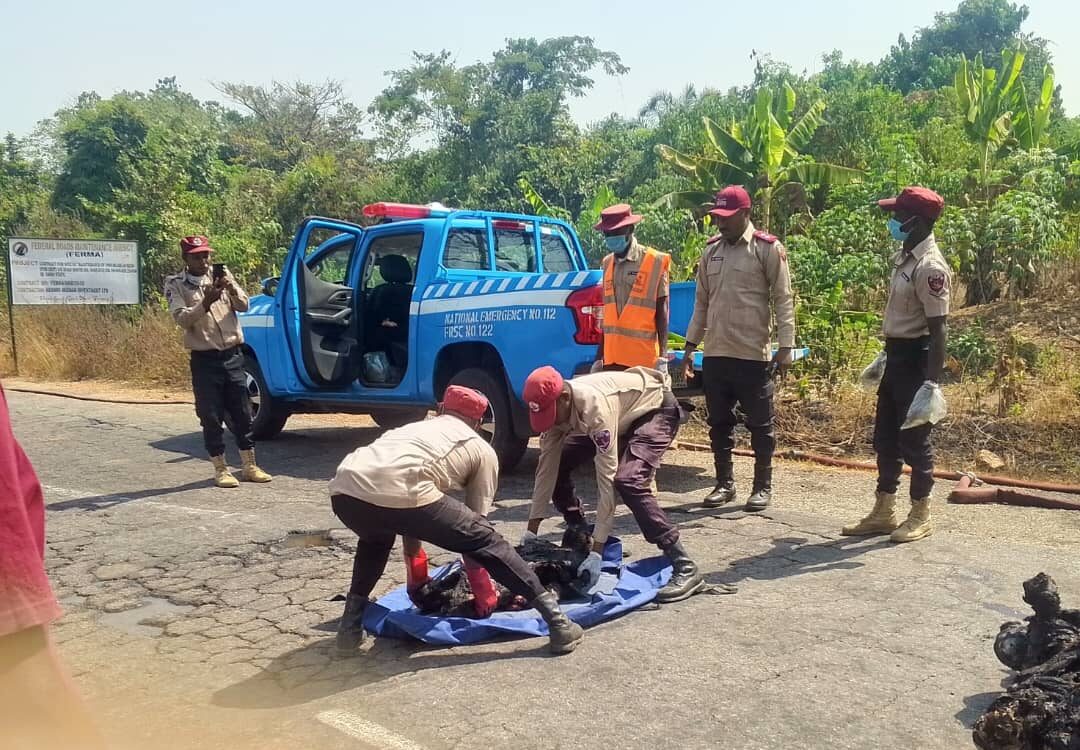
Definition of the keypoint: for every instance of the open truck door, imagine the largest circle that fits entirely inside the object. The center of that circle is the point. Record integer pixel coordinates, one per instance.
(321, 314)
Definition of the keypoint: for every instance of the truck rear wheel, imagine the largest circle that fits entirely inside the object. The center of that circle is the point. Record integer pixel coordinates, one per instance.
(508, 445)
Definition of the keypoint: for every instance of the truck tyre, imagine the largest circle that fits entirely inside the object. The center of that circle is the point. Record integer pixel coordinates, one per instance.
(508, 445)
(268, 415)
(389, 419)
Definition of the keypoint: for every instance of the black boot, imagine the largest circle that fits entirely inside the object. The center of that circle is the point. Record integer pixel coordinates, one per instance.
(685, 578)
(724, 492)
(350, 632)
(564, 633)
(762, 494)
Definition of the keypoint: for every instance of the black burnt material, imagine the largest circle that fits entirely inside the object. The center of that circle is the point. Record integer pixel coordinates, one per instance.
(1041, 708)
(555, 566)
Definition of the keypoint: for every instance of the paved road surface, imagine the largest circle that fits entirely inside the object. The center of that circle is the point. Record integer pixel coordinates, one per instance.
(195, 620)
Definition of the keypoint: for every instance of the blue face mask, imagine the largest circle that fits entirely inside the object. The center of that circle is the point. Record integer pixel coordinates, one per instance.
(897, 231)
(617, 244)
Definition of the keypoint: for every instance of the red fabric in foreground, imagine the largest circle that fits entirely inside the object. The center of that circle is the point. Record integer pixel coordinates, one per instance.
(26, 598)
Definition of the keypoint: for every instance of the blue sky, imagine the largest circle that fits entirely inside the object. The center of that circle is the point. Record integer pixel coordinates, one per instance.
(54, 50)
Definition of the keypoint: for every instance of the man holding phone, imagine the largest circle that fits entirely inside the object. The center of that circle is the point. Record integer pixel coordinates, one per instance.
(204, 303)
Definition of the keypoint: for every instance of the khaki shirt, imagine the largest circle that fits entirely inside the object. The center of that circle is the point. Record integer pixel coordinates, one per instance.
(625, 273)
(919, 290)
(216, 329)
(603, 406)
(736, 286)
(418, 464)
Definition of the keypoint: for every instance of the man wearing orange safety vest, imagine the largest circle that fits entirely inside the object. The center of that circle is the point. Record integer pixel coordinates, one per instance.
(636, 288)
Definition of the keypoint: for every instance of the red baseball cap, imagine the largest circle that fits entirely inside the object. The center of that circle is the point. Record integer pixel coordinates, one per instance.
(616, 217)
(465, 401)
(195, 243)
(730, 201)
(916, 200)
(542, 390)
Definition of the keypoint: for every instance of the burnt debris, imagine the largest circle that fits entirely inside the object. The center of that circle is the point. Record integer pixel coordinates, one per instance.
(555, 566)
(1041, 707)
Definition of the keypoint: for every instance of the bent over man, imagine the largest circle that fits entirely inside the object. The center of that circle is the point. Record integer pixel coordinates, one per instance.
(625, 422)
(205, 307)
(397, 485)
(915, 331)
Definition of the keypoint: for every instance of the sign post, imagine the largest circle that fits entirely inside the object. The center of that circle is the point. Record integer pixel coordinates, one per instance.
(70, 272)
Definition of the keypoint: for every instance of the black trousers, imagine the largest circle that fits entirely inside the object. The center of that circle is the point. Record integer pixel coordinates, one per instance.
(220, 386)
(445, 523)
(641, 450)
(905, 372)
(727, 382)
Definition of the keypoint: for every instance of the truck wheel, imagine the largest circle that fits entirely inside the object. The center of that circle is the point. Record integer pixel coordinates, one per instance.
(268, 415)
(508, 445)
(389, 419)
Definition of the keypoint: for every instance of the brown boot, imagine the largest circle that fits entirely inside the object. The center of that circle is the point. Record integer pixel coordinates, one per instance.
(222, 476)
(882, 519)
(251, 471)
(917, 525)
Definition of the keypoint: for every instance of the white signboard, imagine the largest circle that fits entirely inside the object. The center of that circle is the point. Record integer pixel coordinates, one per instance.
(73, 272)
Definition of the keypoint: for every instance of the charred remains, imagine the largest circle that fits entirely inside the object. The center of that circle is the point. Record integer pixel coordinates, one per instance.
(1041, 708)
(555, 566)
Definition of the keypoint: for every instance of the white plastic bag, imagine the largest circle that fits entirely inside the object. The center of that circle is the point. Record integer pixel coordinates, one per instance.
(376, 367)
(870, 378)
(928, 406)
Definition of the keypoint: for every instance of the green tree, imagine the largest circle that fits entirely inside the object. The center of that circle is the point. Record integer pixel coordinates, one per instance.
(486, 120)
(763, 153)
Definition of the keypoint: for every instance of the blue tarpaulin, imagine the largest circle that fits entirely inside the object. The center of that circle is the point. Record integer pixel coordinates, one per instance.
(620, 590)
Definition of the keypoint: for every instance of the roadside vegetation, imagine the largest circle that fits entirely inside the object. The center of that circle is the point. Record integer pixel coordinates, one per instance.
(968, 105)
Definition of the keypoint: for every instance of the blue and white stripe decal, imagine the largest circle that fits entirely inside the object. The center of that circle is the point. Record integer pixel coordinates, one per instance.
(562, 280)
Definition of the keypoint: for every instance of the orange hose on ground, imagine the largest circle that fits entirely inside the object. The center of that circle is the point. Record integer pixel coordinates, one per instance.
(965, 494)
(954, 476)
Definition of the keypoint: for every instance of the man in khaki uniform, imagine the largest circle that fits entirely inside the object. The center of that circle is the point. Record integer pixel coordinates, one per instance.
(624, 421)
(397, 485)
(741, 279)
(915, 333)
(205, 307)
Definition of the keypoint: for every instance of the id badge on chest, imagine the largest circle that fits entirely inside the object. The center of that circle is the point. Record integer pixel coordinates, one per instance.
(715, 264)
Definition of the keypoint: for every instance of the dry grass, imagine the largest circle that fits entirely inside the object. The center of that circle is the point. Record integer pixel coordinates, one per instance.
(79, 343)
(1036, 433)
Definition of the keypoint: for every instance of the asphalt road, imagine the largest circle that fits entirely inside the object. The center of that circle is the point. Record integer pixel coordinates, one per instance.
(195, 620)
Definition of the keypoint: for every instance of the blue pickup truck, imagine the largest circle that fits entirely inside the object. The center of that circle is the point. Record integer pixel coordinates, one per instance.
(381, 319)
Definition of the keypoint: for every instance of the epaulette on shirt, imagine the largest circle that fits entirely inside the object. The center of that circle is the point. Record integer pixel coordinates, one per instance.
(765, 236)
(714, 238)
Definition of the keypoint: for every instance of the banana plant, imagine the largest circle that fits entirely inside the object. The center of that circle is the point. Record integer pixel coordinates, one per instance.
(763, 153)
(997, 116)
(995, 107)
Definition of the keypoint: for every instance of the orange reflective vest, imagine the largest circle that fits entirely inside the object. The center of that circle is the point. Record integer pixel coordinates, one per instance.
(630, 336)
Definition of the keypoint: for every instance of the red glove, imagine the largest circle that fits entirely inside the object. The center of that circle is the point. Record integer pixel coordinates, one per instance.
(485, 597)
(416, 572)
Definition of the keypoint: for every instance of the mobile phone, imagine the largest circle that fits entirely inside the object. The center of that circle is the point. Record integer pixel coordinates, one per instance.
(219, 271)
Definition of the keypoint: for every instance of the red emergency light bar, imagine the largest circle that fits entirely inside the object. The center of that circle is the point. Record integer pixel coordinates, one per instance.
(400, 211)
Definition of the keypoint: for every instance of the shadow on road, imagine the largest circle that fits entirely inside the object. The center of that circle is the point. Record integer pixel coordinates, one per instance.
(792, 556)
(314, 671)
(102, 502)
(303, 454)
(974, 707)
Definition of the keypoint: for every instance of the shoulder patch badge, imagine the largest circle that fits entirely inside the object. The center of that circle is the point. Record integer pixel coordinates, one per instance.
(602, 440)
(936, 282)
(765, 236)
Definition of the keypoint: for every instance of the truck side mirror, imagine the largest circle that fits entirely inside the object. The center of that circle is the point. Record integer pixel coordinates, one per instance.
(269, 286)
